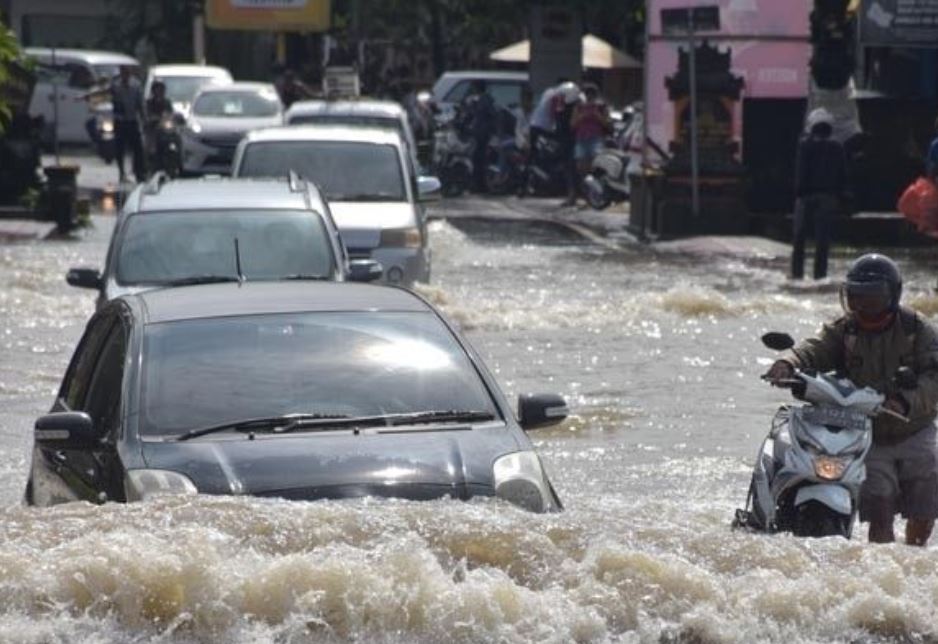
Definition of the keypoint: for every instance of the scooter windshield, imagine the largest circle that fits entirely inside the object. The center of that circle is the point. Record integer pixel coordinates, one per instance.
(826, 389)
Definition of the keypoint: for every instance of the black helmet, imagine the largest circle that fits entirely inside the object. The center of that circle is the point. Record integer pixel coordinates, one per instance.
(872, 288)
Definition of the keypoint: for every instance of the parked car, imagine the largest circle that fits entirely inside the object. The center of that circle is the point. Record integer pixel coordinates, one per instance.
(203, 230)
(183, 82)
(220, 116)
(292, 390)
(387, 114)
(64, 78)
(366, 175)
(504, 87)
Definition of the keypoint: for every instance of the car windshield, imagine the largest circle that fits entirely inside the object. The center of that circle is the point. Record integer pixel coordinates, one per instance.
(165, 247)
(389, 122)
(237, 104)
(182, 89)
(205, 372)
(106, 72)
(344, 170)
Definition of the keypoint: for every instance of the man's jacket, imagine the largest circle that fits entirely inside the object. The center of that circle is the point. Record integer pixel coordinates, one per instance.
(872, 359)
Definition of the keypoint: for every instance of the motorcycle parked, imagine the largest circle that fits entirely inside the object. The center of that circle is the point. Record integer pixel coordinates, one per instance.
(546, 171)
(808, 474)
(608, 179)
(452, 156)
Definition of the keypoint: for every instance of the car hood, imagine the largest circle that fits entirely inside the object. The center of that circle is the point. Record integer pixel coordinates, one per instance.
(424, 463)
(361, 222)
(222, 126)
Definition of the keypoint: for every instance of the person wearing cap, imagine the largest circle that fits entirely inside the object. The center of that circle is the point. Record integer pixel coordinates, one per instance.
(868, 344)
(820, 181)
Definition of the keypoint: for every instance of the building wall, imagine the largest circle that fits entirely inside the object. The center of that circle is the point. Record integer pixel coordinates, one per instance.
(60, 23)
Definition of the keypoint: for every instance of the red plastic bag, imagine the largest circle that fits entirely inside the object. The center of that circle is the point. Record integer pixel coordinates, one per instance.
(919, 204)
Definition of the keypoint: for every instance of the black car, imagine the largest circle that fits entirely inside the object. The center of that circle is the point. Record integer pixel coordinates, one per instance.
(295, 390)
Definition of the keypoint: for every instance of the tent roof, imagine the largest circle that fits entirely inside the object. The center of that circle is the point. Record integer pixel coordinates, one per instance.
(597, 54)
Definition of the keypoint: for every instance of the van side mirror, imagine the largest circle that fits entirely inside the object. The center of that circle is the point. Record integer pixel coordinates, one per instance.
(541, 410)
(429, 189)
(66, 430)
(364, 270)
(84, 278)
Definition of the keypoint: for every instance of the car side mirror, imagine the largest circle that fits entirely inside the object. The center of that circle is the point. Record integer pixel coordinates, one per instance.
(364, 270)
(541, 410)
(906, 378)
(429, 189)
(66, 430)
(84, 278)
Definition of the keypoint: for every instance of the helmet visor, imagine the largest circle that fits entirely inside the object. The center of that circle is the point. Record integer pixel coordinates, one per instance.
(869, 300)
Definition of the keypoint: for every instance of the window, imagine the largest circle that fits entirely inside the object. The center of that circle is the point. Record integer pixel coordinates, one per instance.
(83, 362)
(237, 104)
(104, 392)
(344, 170)
(504, 93)
(202, 372)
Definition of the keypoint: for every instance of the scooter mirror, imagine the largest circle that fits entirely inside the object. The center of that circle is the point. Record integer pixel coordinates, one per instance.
(778, 341)
(906, 378)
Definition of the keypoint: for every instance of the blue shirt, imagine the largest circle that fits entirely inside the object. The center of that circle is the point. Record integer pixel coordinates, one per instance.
(931, 162)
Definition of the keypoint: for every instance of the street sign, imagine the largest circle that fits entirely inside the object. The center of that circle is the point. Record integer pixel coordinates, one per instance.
(269, 15)
(899, 23)
(682, 20)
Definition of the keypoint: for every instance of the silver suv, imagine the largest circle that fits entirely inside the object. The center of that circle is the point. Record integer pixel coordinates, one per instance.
(174, 233)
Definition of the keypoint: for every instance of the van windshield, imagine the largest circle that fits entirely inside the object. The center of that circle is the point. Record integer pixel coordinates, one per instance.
(344, 170)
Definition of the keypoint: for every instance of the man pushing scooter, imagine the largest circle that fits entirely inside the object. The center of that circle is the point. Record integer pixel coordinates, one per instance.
(869, 344)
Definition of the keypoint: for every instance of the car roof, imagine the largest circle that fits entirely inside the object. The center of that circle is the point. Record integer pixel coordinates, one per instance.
(390, 109)
(92, 56)
(196, 71)
(259, 298)
(486, 74)
(220, 193)
(327, 132)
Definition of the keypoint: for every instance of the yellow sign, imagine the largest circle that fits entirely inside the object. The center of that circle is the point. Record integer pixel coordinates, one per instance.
(269, 15)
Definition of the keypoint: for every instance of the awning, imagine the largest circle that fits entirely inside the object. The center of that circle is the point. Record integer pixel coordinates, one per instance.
(597, 54)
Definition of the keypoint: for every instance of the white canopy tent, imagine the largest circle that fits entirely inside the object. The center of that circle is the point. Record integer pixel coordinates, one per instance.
(597, 54)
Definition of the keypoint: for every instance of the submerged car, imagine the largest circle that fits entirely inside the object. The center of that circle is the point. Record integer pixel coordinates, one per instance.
(174, 233)
(294, 390)
(365, 174)
(220, 116)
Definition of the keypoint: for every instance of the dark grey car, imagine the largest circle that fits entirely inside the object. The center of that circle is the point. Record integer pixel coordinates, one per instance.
(293, 390)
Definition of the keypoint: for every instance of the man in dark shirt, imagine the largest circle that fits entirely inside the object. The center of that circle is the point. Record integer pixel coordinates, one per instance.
(127, 98)
(820, 182)
(481, 117)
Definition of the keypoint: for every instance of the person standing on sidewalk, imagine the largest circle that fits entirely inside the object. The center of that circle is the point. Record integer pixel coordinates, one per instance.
(127, 98)
(481, 117)
(821, 179)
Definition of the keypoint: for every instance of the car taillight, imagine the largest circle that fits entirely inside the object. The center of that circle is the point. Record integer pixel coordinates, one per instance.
(402, 237)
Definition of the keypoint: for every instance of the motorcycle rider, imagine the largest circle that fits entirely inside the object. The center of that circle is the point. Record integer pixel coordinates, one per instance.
(868, 344)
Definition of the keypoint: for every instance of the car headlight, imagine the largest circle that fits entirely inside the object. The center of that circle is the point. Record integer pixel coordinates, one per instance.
(195, 128)
(830, 468)
(519, 479)
(142, 485)
(402, 237)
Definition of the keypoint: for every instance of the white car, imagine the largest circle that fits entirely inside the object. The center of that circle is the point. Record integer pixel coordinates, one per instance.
(220, 116)
(366, 176)
(183, 82)
(504, 87)
(354, 113)
(64, 78)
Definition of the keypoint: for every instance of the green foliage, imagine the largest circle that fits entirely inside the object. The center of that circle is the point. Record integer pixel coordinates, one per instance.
(9, 53)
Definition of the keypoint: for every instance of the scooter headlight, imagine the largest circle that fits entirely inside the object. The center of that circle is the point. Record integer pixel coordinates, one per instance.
(142, 485)
(830, 468)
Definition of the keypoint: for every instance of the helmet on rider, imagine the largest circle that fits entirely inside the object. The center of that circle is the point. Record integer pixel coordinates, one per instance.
(871, 291)
(570, 92)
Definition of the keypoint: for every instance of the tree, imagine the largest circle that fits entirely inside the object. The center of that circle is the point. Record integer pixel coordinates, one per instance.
(13, 77)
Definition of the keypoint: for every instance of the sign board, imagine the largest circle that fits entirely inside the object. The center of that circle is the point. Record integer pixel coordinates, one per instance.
(556, 46)
(687, 19)
(269, 15)
(899, 23)
(744, 18)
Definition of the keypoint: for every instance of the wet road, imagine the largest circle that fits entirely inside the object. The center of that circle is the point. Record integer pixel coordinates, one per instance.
(658, 355)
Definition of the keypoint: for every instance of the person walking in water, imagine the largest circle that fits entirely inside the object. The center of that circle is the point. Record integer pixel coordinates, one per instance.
(821, 178)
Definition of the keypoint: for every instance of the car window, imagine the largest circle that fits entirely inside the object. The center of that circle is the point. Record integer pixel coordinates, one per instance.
(238, 104)
(505, 94)
(344, 170)
(104, 393)
(202, 372)
(79, 76)
(78, 376)
(49, 73)
(161, 247)
(458, 92)
(106, 72)
(393, 123)
(183, 88)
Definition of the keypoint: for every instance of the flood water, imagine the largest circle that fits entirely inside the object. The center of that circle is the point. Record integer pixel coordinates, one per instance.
(658, 355)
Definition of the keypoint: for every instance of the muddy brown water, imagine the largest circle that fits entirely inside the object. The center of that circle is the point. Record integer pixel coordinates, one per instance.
(658, 356)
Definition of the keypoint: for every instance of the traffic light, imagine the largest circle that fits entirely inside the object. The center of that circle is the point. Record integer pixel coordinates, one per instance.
(832, 34)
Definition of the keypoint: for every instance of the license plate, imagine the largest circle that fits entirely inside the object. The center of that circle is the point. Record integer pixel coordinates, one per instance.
(834, 416)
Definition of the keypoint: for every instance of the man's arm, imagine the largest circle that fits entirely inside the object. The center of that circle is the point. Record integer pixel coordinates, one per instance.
(923, 399)
(823, 353)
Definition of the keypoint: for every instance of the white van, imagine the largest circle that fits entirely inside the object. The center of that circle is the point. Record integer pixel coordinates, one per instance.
(65, 76)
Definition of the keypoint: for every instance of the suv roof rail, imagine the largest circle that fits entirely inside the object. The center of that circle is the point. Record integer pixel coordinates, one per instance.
(155, 182)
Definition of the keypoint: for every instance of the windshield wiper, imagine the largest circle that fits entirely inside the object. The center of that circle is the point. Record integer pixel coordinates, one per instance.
(276, 423)
(201, 279)
(307, 276)
(440, 416)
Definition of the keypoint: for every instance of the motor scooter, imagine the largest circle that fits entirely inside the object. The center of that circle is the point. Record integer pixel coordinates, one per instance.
(165, 146)
(809, 470)
(608, 178)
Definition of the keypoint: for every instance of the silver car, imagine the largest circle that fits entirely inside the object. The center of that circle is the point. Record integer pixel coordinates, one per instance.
(366, 175)
(191, 231)
(220, 116)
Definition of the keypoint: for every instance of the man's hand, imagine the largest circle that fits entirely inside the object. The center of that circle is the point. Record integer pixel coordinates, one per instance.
(897, 404)
(780, 370)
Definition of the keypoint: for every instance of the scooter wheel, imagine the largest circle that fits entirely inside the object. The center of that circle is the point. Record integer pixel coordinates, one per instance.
(815, 519)
(597, 196)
